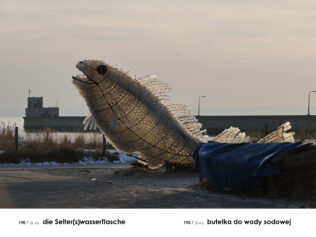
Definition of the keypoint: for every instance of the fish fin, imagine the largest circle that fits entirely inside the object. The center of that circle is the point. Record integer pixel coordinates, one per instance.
(159, 89)
(279, 135)
(181, 112)
(150, 163)
(143, 162)
(231, 135)
(184, 116)
(142, 159)
(90, 123)
(155, 163)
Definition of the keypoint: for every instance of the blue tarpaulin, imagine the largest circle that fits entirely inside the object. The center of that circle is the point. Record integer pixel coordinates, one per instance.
(237, 167)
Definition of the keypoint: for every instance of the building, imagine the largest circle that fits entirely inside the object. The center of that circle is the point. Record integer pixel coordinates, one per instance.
(37, 117)
(35, 108)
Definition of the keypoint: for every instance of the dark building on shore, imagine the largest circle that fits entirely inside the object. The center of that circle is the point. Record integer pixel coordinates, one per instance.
(38, 117)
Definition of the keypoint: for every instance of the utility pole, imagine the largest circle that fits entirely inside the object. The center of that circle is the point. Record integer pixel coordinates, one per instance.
(309, 103)
(16, 138)
(201, 96)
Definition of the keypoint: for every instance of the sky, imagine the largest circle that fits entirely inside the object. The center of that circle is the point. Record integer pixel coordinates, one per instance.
(245, 56)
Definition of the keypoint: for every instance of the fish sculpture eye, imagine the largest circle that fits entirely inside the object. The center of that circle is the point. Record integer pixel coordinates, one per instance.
(102, 69)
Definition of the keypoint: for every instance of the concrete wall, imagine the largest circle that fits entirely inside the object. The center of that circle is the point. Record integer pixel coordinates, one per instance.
(34, 112)
(66, 123)
(213, 124)
(216, 124)
(42, 112)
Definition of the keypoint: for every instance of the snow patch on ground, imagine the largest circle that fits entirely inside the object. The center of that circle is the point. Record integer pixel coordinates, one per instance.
(123, 157)
(28, 163)
(87, 160)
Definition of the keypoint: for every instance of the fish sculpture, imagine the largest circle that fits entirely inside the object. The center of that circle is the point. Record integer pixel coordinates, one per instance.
(134, 115)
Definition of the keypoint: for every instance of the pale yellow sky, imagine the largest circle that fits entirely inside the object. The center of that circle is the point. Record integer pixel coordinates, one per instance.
(253, 57)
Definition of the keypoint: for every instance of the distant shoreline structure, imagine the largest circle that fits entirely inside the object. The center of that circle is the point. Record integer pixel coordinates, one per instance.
(38, 117)
(265, 124)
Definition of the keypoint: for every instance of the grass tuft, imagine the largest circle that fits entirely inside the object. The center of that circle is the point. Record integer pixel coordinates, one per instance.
(42, 147)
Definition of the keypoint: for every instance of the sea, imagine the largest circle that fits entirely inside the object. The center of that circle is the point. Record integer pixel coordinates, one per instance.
(17, 121)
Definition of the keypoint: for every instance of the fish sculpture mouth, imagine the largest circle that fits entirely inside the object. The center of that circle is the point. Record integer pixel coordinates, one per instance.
(91, 74)
(82, 78)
